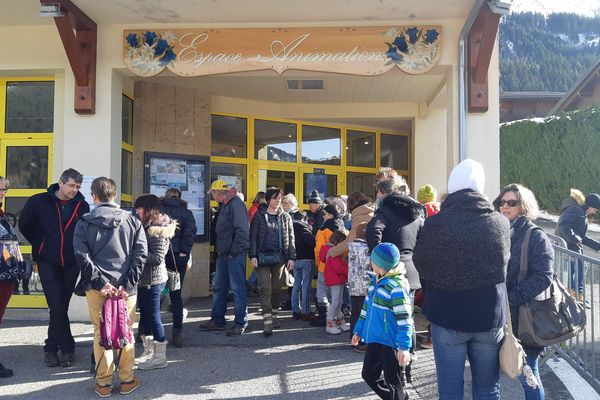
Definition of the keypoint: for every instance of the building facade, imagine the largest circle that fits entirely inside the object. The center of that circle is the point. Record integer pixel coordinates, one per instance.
(264, 105)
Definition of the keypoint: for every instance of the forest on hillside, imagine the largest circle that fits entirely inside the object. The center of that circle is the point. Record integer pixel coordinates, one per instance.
(551, 53)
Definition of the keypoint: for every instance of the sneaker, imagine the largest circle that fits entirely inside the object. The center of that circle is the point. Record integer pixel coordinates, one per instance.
(236, 331)
(5, 372)
(51, 359)
(185, 314)
(128, 387)
(104, 390)
(211, 326)
(332, 328)
(426, 343)
(296, 316)
(360, 348)
(176, 339)
(66, 359)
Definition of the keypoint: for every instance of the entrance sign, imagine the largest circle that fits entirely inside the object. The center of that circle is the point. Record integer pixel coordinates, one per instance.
(357, 51)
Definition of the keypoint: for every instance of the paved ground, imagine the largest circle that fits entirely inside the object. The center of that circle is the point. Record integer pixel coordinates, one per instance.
(297, 362)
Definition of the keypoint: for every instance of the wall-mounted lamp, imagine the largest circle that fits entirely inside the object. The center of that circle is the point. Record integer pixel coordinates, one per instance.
(50, 10)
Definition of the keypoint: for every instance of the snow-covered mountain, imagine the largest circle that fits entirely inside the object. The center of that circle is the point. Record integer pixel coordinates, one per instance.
(584, 7)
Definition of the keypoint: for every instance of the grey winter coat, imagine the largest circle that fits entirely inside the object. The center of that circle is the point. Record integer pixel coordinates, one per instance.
(258, 232)
(159, 237)
(110, 247)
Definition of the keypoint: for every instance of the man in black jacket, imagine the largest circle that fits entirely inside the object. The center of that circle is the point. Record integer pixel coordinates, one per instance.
(179, 254)
(232, 243)
(48, 221)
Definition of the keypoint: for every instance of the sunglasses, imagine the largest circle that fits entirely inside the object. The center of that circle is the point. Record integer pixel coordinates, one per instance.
(510, 203)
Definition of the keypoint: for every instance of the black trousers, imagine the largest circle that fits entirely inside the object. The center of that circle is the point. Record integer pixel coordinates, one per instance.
(356, 303)
(58, 284)
(176, 300)
(382, 358)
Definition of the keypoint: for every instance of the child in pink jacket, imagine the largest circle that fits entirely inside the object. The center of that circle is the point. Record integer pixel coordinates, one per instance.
(336, 277)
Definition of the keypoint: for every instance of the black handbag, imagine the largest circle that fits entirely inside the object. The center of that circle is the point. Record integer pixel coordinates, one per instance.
(173, 278)
(272, 257)
(553, 316)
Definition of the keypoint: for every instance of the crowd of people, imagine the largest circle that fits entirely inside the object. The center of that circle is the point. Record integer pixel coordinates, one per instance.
(375, 261)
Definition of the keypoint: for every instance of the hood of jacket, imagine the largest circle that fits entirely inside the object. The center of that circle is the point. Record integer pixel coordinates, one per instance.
(364, 210)
(106, 215)
(333, 224)
(403, 206)
(54, 187)
(173, 202)
(164, 227)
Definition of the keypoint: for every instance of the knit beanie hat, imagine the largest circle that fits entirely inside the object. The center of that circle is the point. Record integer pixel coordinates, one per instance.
(315, 198)
(333, 210)
(593, 200)
(386, 256)
(468, 174)
(341, 205)
(427, 194)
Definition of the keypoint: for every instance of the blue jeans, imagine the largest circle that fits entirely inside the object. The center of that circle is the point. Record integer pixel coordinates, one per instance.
(149, 303)
(531, 393)
(451, 348)
(301, 289)
(230, 272)
(578, 275)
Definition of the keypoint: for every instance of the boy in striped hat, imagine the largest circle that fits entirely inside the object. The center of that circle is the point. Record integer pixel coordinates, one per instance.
(385, 324)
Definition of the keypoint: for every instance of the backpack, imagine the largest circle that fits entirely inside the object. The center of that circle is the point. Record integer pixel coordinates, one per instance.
(115, 328)
(552, 317)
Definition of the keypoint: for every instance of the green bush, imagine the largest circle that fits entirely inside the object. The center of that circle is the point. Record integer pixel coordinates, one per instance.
(552, 156)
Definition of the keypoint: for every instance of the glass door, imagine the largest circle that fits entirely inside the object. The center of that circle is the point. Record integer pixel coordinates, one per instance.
(265, 176)
(326, 181)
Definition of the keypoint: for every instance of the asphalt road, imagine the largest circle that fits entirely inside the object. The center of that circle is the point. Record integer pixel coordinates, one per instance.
(297, 362)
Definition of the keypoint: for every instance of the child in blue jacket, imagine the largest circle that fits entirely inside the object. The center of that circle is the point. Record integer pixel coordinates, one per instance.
(385, 324)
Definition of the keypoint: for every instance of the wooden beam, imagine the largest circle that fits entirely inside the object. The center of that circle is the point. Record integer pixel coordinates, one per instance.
(480, 46)
(78, 33)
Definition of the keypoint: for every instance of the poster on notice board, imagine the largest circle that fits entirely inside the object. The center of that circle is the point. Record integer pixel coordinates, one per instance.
(187, 173)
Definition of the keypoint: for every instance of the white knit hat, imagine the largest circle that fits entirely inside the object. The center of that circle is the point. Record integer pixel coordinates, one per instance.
(468, 174)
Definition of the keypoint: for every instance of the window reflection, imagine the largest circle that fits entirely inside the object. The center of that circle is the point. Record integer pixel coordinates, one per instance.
(228, 136)
(274, 141)
(27, 167)
(360, 148)
(394, 151)
(29, 107)
(321, 145)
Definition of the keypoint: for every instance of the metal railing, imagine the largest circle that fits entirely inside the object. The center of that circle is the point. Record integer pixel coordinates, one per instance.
(581, 275)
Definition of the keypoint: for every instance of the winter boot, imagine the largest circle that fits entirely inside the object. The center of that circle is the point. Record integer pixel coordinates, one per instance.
(322, 320)
(342, 324)
(268, 324)
(159, 359)
(332, 328)
(148, 342)
(176, 339)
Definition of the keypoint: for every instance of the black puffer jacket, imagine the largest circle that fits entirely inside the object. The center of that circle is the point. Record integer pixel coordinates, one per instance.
(49, 226)
(573, 225)
(258, 232)
(304, 241)
(398, 220)
(185, 234)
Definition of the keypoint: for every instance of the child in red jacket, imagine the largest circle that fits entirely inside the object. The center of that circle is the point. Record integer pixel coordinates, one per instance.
(336, 277)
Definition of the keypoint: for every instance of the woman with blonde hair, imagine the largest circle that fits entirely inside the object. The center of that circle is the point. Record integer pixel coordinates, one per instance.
(519, 206)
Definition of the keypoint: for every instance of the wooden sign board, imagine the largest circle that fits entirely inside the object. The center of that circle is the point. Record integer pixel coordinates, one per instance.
(356, 51)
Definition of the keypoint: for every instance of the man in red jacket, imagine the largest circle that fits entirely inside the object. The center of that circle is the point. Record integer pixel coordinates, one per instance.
(48, 222)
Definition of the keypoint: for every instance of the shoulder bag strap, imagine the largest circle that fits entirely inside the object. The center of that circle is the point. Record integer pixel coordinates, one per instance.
(525, 253)
(507, 308)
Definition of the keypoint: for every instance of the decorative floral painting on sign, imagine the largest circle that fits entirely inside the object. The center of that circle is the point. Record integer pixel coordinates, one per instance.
(149, 53)
(366, 51)
(412, 49)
